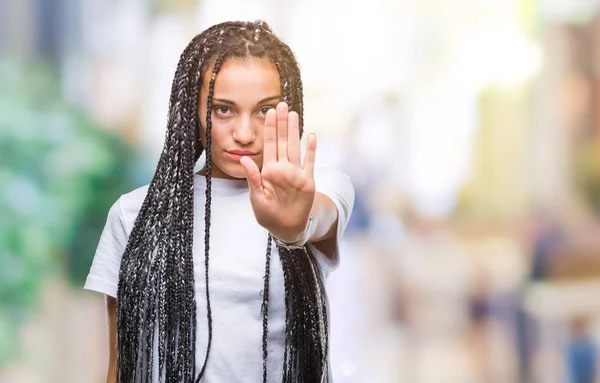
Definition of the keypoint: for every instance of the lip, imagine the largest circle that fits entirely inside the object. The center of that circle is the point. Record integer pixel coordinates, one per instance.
(236, 155)
(242, 152)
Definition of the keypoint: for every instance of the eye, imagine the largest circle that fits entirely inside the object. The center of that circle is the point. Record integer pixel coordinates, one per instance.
(263, 111)
(221, 110)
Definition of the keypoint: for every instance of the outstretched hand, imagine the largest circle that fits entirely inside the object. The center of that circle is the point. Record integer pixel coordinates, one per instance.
(283, 191)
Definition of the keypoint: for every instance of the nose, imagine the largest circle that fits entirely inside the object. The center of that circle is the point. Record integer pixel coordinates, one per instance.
(244, 132)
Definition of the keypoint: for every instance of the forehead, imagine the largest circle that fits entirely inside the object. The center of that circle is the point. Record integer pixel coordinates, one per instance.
(237, 76)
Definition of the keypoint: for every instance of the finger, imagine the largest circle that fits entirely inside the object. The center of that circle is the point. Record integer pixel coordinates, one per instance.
(270, 137)
(282, 131)
(309, 157)
(294, 138)
(252, 174)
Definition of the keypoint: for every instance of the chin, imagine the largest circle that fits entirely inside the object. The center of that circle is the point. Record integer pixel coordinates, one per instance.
(234, 171)
(238, 175)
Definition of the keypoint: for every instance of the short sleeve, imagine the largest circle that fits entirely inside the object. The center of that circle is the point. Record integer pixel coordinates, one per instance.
(104, 272)
(336, 185)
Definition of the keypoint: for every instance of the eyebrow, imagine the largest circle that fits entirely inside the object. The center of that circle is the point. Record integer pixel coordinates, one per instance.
(229, 102)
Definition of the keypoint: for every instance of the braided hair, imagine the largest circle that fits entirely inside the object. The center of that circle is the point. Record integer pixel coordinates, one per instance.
(156, 301)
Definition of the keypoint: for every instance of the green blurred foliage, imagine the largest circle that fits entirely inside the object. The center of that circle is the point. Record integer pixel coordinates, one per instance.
(59, 175)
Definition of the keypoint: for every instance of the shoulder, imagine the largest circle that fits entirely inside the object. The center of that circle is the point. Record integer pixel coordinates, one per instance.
(132, 202)
(128, 205)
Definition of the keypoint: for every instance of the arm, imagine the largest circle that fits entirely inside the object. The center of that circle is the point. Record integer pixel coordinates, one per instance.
(322, 233)
(104, 277)
(331, 210)
(111, 321)
(325, 216)
(284, 193)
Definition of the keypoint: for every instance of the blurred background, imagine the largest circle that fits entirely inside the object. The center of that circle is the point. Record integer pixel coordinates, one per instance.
(471, 129)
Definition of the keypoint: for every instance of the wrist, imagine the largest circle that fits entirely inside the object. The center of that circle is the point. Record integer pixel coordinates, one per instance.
(295, 239)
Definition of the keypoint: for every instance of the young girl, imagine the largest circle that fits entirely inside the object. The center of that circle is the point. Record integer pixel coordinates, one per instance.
(192, 291)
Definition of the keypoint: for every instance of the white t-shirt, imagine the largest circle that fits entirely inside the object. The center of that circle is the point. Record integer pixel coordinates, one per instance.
(238, 247)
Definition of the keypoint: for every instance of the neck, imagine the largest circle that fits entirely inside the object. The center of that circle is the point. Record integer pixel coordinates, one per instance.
(216, 173)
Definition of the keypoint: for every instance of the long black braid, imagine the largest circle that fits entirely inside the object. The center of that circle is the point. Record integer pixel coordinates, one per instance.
(156, 301)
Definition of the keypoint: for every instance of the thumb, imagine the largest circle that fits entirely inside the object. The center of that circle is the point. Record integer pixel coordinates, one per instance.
(252, 174)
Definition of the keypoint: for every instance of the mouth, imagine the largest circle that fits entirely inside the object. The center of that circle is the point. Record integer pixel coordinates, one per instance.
(236, 155)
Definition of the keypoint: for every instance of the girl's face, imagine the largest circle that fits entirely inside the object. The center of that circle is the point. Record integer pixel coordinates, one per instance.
(244, 90)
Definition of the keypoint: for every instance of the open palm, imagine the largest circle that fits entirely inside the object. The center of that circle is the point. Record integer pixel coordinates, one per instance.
(283, 191)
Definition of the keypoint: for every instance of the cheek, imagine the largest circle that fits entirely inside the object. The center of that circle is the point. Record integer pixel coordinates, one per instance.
(219, 133)
(259, 130)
